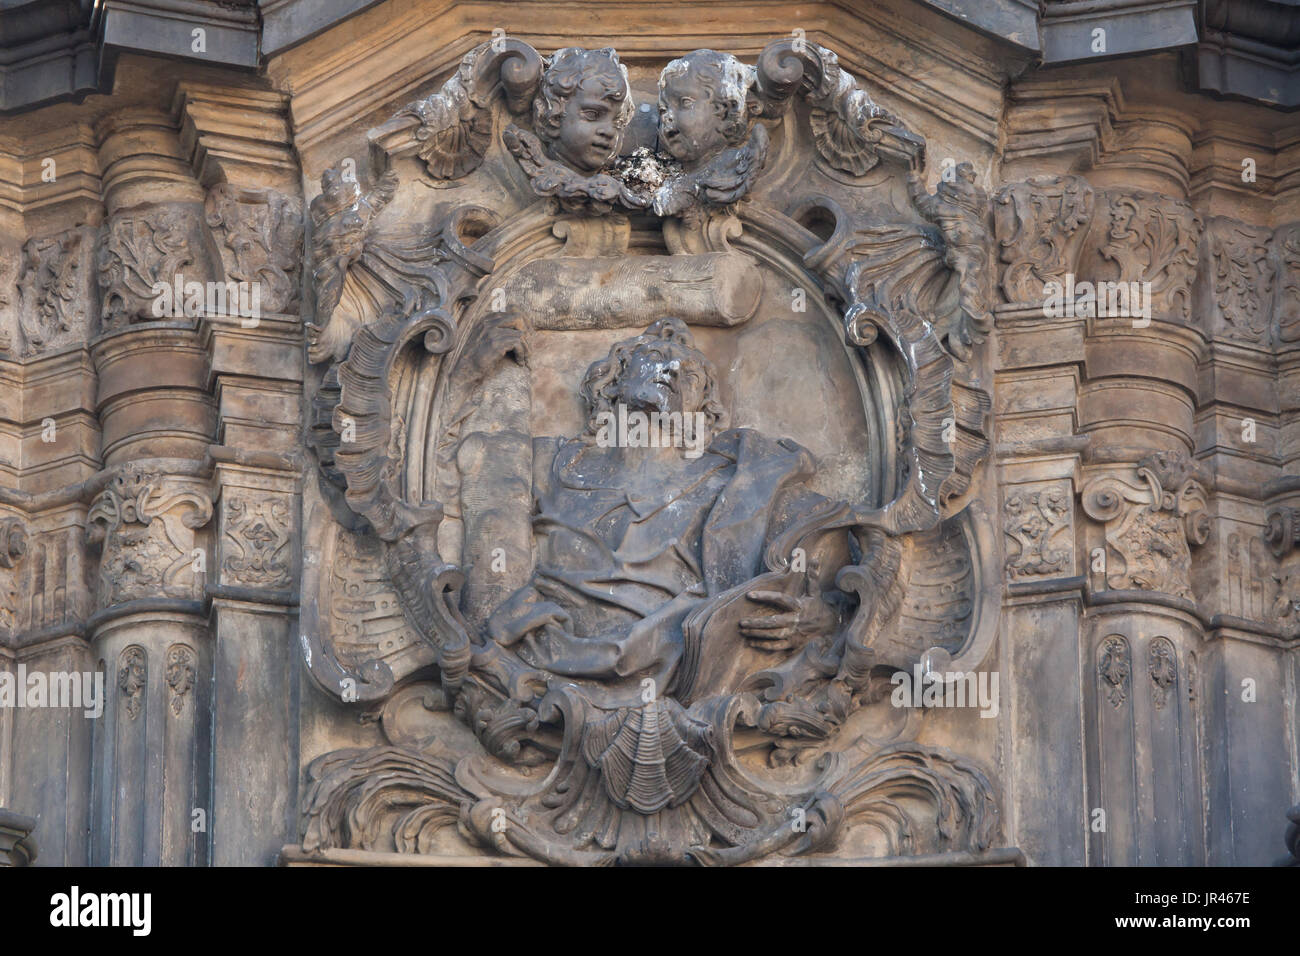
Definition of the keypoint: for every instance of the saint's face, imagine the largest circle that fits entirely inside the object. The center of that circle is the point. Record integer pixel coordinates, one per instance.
(588, 136)
(688, 119)
(653, 381)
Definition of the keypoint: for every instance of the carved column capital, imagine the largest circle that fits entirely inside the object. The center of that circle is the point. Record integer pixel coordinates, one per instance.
(1152, 515)
(145, 523)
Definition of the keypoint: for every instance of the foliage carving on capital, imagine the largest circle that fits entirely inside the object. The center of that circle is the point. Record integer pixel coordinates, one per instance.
(1282, 533)
(1287, 244)
(1151, 517)
(53, 290)
(144, 523)
(259, 234)
(1041, 224)
(1154, 239)
(142, 250)
(1038, 523)
(1239, 273)
(13, 547)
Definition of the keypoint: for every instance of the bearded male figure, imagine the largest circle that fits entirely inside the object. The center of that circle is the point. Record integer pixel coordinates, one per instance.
(633, 540)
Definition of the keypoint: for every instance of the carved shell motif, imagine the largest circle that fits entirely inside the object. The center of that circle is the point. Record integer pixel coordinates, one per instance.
(643, 760)
(848, 142)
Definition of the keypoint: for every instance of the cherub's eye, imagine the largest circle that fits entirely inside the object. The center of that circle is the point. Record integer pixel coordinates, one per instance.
(687, 102)
(590, 114)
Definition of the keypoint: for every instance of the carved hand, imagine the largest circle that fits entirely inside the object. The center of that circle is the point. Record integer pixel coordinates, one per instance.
(805, 615)
(518, 616)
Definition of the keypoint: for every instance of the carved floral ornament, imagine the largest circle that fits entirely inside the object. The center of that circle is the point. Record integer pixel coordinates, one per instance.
(1059, 232)
(589, 649)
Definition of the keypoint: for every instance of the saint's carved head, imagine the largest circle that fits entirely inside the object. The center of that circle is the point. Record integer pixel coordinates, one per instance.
(582, 107)
(658, 371)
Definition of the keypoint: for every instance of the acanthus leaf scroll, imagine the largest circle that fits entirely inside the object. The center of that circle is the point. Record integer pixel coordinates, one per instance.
(622, 613)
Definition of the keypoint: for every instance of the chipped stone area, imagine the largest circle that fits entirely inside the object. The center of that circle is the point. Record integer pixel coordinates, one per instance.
(644, 171)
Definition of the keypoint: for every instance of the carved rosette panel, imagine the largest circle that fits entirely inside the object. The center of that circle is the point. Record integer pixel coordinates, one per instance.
(1038, 522)
(1239, 279)
(141, 250)
(257, 531)
(144, 523)
(437, 341)
(1041, 225)
(1151, 523)
(132, 677)
(1154, 239)
(182, 668)
(54, 291)
(1115, 669)
(259, 233)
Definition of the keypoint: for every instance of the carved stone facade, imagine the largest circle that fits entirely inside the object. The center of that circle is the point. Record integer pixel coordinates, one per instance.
(446, 442)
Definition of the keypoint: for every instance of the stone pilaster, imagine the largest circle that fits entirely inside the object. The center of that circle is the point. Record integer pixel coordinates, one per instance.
(1038, 366)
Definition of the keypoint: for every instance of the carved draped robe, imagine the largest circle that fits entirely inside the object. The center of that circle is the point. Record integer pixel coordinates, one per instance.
(629, 569)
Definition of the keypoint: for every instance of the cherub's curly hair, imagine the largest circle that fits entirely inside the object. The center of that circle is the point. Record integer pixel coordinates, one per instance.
(728, 82)
(670, 338)
(565, 71)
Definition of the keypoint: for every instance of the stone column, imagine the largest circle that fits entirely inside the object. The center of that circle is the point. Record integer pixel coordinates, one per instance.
(1143, 629)
(49, 447)
(149, 634)
(1250, 661)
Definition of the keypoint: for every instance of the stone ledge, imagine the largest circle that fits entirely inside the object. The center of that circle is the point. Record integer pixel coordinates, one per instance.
(295, 856)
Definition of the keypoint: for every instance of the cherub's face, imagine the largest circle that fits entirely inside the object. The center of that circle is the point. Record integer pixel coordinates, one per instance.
(688, 119)
(588, 136)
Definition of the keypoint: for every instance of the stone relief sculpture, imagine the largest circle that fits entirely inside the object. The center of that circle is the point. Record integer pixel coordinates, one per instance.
(50, 286)
(604, 605)
(1150, 527)
(706, 123)
(582, 106)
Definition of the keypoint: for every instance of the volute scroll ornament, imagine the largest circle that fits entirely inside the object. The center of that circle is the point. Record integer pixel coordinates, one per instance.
(608, 612)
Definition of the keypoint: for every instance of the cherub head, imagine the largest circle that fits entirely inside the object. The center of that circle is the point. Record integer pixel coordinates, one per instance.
(659, 370)
(702, 105)
(582, 107)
